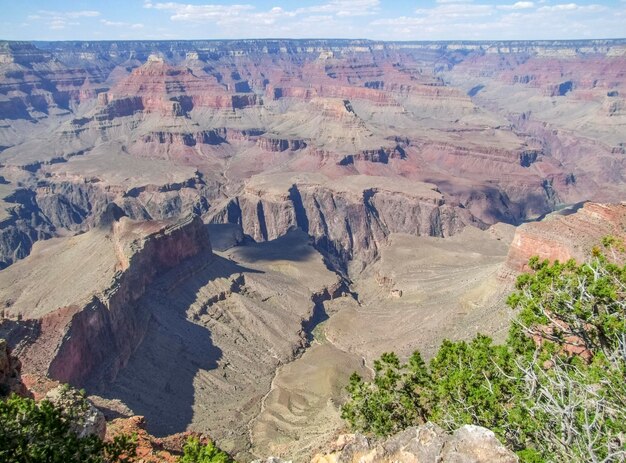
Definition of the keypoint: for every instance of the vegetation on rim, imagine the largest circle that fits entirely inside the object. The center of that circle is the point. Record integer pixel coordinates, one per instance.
(554, 391)
(44, 432)
(40, 432)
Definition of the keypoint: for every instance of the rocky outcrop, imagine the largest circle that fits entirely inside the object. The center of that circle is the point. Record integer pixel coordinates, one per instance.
(343, 92)
(105, 332)
(570, 234)
(207, 137)
(58, 205)
(348, 219)
(45, 210)
(158, 87)
(424, 444)
(24, 226)
(382, 155)
(10, 373)
(90, 341)
(85, 419)
(280, 144)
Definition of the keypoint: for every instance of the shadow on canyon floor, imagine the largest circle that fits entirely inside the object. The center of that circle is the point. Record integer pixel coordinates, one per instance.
(494, 203)
(158, 381)
(294, 246)
(563, 210)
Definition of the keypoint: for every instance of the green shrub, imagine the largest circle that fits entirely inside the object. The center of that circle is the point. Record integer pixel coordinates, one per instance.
(33, 432)
(555, 391)
(195, 452)
(398, 396)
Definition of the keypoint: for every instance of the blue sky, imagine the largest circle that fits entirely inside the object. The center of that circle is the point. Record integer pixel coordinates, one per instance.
(373, 19)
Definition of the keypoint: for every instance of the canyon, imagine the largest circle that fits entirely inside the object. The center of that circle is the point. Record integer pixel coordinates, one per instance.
(216, 234)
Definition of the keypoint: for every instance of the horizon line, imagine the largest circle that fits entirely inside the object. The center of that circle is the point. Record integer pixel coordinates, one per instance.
(275, 39)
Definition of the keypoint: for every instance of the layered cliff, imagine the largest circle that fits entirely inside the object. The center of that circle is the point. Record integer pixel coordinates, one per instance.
(483, 122)
(348, 219)
(88, 331)
(570, 234)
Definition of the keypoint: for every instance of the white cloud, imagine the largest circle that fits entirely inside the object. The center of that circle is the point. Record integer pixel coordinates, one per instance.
(246, 13)
(108, 23)
(58, 20)
(567, 7)
(470, 21)
(444, 20)
(46, 14)
(201, 13)
(517, 6)
(460, 10)
(113, 23)
(560, 7)
(353, 7)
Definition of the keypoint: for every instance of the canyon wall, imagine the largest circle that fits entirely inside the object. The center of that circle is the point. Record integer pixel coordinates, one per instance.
(88, 342)
(570, 234)
(347, 220)
(84, 123)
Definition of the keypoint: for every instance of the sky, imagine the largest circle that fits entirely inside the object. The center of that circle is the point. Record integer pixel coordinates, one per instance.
(370, 19)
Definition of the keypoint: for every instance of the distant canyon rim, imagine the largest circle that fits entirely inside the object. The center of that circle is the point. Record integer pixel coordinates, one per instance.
(216, 234)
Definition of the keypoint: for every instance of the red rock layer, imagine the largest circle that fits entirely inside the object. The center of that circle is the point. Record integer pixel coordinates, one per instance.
(564, 237)
(93, 341)
(157, 87)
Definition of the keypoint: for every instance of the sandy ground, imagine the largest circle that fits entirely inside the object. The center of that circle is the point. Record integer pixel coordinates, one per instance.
(41, 284)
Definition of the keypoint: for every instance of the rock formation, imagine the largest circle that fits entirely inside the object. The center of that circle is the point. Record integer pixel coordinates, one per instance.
(425, 444)
(348, 219)
(569, 234)
(10, 373)
(89, 332)
(448, 114)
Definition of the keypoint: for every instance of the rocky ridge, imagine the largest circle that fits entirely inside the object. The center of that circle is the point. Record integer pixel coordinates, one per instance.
(425, 444)
(91, 333)
(564, 235)
(349, 219)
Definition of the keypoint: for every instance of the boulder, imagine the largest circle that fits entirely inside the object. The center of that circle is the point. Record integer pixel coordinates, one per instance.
(86, 419)
(421, 444)
(474, 444)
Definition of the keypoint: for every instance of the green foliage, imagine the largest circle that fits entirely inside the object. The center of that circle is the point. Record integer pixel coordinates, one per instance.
(398, 396)
(40, 432)
(470, 383)
(555, 391)
(585, 302)
(196, 452)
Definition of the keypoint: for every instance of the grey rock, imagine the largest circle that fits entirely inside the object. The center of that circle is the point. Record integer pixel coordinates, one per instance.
(271, 460)
(422, 444)
(86, 420)
(474, 444)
